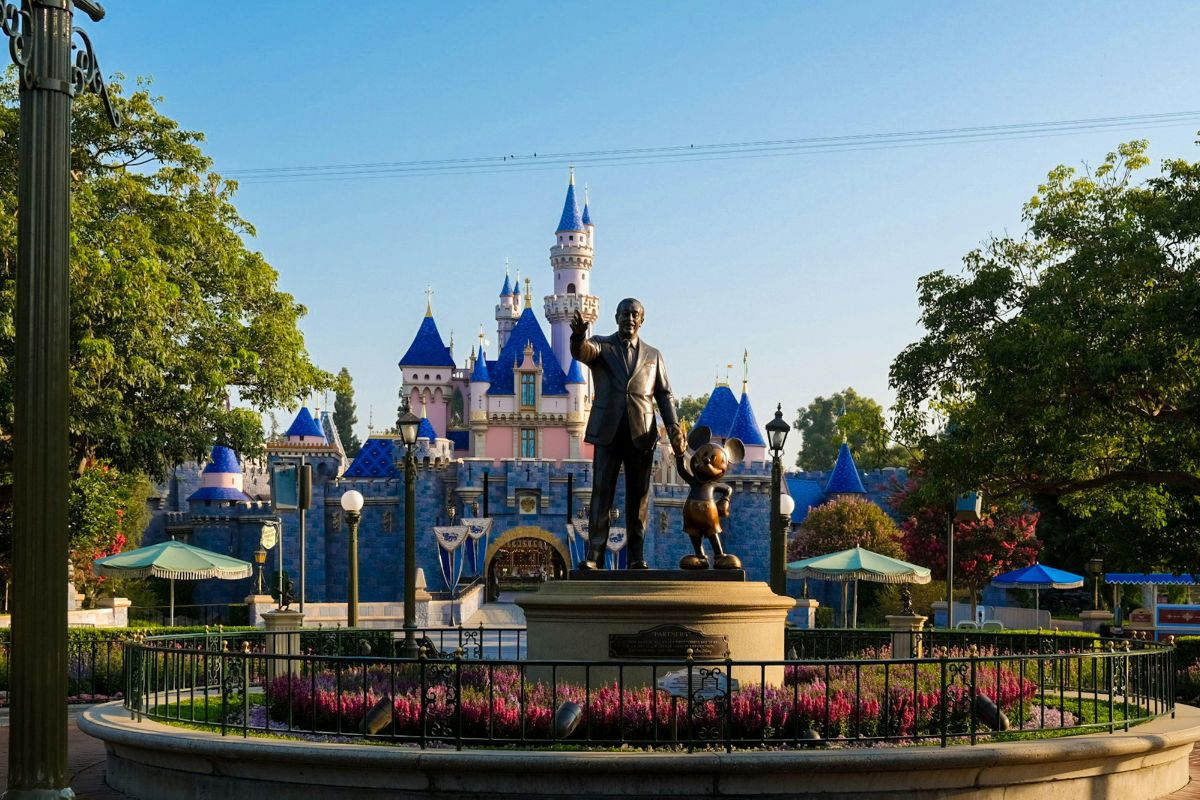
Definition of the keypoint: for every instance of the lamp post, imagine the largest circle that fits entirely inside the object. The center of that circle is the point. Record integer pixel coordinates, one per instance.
(352, 503)
(1095, 568)
(777, 432)
(966, 507)
(52, 71)
(260, 558)
(408, 424)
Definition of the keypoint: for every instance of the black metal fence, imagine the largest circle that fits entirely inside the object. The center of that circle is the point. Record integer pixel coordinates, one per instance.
(351, 684)
(94, 669)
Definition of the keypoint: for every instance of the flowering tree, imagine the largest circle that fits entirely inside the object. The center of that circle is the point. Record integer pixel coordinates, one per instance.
(106, 512)
(842, 524)
(996, 543)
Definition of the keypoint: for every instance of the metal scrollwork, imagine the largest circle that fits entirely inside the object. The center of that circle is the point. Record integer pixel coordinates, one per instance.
(85, 73)
(709, 698)
(471, 641)
(441, 699)
(1120, 675)
(17, 26)
(958, 671)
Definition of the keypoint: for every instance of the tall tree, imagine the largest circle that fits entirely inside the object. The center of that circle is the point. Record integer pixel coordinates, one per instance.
(844, 416)
(170, 309)
(690, 409)
(345, 414)
(845, 523)
(1065, 364)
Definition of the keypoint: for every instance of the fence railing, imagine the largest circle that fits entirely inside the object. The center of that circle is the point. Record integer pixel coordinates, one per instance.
(863, 643)
(351, 684)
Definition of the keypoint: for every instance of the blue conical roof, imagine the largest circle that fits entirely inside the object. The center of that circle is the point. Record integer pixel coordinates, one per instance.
(571, 220)
(527, 330)
(587, 215)
(224, 460)
(305, 425)
(575, 373)
(480, 373)
(719, 412)
(377, 459)
(745, 426)
(425, 429)
(507, 290)
(844, 479)
(427, 348)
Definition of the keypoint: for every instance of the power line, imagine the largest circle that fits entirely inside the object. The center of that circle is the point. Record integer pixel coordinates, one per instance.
(773, 148)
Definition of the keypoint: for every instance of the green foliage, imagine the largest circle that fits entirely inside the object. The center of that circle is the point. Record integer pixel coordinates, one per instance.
(106, 514)
(690, 409)
(169, 308)
(845, 416)
(842, 524)
(344, 413)
(1062, 364)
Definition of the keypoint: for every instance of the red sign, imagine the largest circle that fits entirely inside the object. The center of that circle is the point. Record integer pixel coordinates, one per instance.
(1178, 616)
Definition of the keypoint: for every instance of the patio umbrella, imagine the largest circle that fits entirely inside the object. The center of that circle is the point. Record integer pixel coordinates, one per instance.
(173, 560)
(1037, 577)
(854, 565)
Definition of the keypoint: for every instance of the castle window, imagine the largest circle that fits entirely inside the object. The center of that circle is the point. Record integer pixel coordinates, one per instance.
(528, 391)
(572, 237)
(528, 443)
(570, 288)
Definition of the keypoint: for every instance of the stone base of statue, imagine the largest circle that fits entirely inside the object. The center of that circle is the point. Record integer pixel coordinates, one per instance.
(654, 616)
(907, 638)
(282, 640)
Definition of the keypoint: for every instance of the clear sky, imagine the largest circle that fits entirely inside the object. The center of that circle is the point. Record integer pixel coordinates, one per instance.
(808, 260)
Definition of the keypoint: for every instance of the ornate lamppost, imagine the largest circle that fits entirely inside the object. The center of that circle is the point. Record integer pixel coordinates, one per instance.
(41, 44)
(352, 503)
(777, 432)
(408, 423)
(260, 558)
(967, 507)
(1095, 568)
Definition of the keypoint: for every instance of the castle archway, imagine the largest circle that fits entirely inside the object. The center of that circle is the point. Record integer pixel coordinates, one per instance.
(523, 558)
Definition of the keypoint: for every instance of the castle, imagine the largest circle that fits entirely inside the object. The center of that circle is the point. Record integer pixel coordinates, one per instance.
(501, 439)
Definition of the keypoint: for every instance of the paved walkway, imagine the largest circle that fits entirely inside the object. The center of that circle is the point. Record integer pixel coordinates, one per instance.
(85, 764)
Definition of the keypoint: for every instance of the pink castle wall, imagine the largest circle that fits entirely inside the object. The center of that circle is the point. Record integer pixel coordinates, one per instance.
(499, 442)
(556, 444)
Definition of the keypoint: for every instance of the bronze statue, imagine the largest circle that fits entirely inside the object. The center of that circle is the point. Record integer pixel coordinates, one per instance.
(630, 379)
(708, 499)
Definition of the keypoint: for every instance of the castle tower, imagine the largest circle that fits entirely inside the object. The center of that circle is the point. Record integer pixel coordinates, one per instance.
(571, 260)
(221, 480)
(507, 312)
(477, 416)
(577, 408)
(427, 371)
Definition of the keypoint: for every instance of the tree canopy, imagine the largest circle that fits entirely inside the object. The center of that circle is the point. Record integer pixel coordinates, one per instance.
(170, 310)
(843, 523)
(345, 414)
(1064, 364)
(844, 416)
(690, 409)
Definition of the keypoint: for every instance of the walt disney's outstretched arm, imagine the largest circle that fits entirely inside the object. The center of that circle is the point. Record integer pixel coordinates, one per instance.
(583, 350)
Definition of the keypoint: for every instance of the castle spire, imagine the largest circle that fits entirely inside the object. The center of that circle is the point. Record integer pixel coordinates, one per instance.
(429, 301)
(745, 369)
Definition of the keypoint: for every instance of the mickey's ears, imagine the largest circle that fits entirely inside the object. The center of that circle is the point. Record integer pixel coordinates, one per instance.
(699, 436)
(735, 450)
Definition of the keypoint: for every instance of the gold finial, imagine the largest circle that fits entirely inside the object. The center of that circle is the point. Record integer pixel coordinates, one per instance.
(481, 340)
(424, 414)
(528, 293)
(585, 193)
(572, 168)
(429, 301)
(370, 420)
(745, 369)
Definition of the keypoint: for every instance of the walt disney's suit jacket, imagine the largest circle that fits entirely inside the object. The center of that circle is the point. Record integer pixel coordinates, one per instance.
(621, 392)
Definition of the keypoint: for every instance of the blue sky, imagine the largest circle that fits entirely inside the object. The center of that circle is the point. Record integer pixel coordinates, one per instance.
(808, 261)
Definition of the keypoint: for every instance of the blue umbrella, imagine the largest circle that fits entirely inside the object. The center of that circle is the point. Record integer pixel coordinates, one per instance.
(1038, 577)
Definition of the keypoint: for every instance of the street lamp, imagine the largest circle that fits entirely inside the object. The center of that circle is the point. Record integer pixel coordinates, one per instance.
(260, 558)
(408, 424)
(966, 507)
(777, 432)
(352, 503)
(1095, 568)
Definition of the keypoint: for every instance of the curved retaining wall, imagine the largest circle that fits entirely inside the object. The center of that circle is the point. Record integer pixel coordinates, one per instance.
(149, 760)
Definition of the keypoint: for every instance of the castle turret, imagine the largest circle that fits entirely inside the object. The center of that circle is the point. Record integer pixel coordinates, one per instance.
(577, 408)
(221, 480)
(477, 416)
(571, 260)
(844, 481)
(427, 371)
(506, 311)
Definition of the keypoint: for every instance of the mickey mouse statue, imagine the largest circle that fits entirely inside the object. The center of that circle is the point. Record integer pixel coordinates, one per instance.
(708, 499)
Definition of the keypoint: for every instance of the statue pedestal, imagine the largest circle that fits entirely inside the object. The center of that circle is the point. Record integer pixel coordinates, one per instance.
(907, 641)
(1092, 620)
(652, 615)
(283, 639)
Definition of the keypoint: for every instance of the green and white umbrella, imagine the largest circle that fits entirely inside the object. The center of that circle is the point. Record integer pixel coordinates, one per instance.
(854, 565)
(175, 561)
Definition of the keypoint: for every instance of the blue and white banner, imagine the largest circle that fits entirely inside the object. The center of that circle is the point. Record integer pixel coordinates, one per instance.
(450, 540)
(479, 529)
